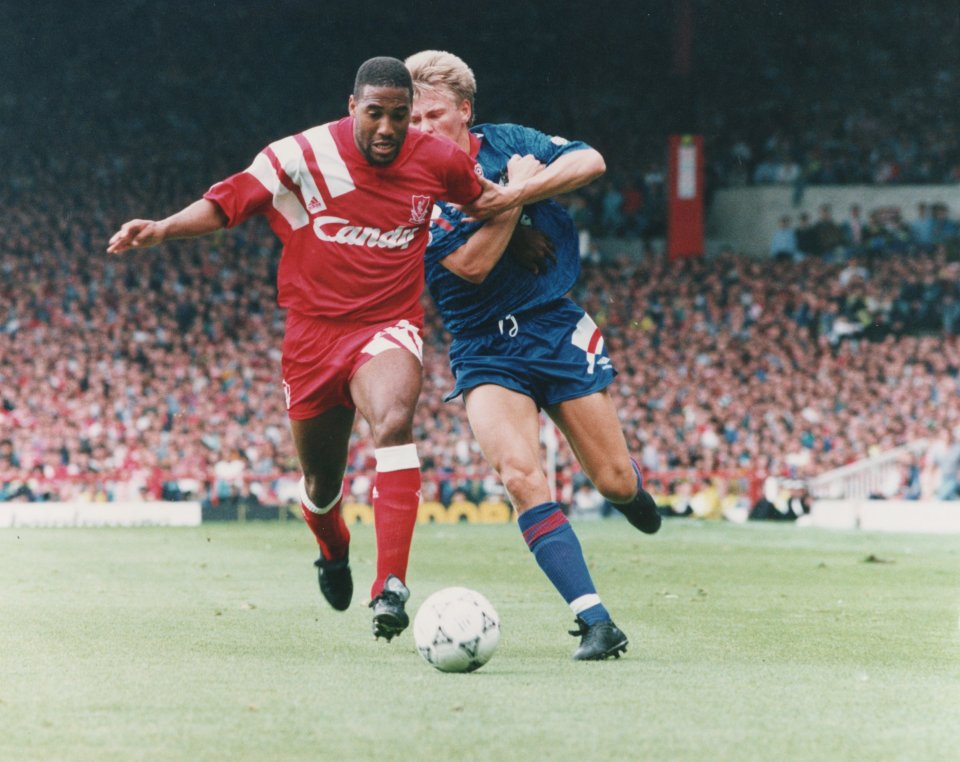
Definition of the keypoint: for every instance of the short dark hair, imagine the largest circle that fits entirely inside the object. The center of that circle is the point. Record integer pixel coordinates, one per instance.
(382, 71)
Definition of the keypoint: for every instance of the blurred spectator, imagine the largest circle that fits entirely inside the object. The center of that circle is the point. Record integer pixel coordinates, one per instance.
(612, 215)
(905, 483)
(852, 229)
(583, 218)
(921, 229)
(783, 246)
(805, 235)
(827, 235)
(943, 228)
(944, 459)
(788, 501)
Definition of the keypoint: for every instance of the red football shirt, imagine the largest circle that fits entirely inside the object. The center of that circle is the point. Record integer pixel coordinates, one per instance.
(353, 233)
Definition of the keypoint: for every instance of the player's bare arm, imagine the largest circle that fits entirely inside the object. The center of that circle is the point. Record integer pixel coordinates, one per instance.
(201, 217)
(477, 257)
(567, 173)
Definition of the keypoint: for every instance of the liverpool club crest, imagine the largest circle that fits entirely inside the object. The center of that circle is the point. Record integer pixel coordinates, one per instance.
(419, 208)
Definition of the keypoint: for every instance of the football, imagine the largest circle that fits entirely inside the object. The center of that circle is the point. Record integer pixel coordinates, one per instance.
(456, 630)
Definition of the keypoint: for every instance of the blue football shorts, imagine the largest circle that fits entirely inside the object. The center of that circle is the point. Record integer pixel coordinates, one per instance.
(551, 354)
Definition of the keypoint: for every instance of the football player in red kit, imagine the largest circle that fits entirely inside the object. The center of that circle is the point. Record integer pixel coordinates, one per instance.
(350, 201)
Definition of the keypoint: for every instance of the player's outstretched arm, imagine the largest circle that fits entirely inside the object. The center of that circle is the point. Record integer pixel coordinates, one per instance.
(200, 218)
(569, 172)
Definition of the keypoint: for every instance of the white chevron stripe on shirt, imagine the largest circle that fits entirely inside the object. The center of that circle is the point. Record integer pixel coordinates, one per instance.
(331, 165)
(294, 163)
(284, 201)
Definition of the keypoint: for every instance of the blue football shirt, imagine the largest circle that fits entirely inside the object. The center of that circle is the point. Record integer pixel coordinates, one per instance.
(509, 288)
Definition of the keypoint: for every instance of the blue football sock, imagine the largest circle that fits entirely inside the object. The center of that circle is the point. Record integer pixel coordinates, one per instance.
(554, 544)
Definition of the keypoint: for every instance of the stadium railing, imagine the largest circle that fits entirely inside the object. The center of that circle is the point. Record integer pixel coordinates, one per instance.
(865, 478)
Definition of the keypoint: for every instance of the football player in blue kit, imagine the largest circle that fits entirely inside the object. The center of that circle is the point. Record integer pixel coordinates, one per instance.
(518, 344)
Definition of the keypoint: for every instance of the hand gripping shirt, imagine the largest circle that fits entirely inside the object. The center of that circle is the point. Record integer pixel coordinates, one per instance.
(509, 288)
(353, 233)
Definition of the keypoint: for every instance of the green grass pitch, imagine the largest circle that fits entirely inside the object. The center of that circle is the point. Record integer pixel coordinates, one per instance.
(746, 642)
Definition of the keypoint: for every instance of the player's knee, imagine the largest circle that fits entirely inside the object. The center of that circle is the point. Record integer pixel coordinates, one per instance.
(395, 427)
(321, 489)
(523, 481)
(616, 481)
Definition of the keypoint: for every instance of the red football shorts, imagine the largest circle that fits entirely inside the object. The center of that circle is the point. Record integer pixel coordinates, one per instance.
(320, 357)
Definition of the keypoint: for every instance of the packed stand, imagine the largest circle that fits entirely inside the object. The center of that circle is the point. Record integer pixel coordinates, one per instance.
(156, 375)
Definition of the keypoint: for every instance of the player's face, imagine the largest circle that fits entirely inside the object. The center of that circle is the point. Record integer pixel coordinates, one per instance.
(381, 118)
(436, 112)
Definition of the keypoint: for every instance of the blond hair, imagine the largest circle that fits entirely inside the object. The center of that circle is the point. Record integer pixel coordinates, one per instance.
(434, 70)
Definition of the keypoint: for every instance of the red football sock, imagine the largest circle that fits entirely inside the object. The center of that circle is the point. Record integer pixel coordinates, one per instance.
(327, 526)
(396, 498)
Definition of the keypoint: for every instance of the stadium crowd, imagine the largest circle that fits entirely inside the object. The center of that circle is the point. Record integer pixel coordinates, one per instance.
(157, 374)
